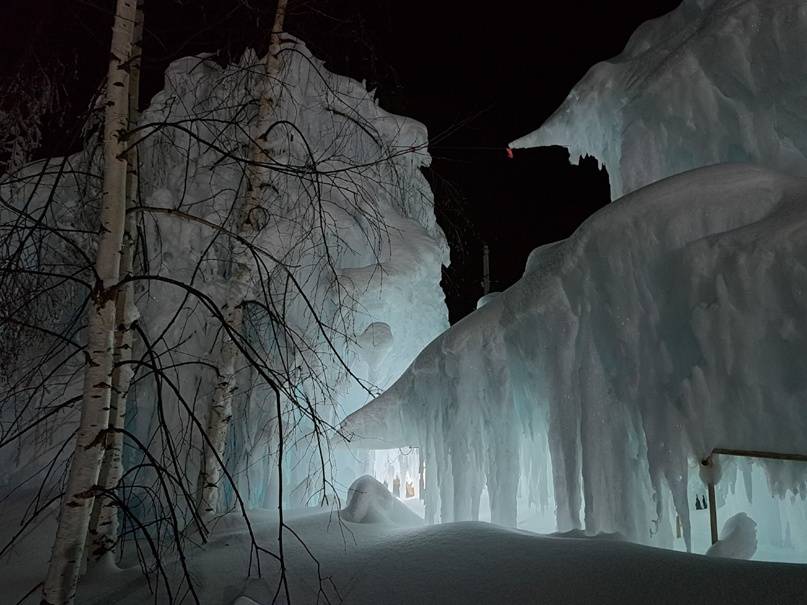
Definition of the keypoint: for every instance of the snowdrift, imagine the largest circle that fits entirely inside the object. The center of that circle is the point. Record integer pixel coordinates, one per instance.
(712, 81)
(672, 322)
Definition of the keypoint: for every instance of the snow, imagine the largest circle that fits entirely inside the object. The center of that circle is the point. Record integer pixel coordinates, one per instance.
(359, 237)
(710, 471)
(712, 81)
(486, 299)
(738, 540)
(469, 562)
(472, 563)
(368, 501)
(672, 322)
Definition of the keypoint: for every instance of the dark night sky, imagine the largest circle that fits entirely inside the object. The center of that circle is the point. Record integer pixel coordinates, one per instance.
(478, 77)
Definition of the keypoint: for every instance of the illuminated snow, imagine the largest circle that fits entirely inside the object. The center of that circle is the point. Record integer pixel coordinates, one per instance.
(670, 323)
(360, 238)
(712, 81)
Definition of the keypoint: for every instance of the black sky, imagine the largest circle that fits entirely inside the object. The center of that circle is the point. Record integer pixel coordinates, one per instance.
(477, 75)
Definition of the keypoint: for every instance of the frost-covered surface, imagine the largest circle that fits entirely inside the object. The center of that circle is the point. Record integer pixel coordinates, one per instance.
(456, 563)
(672, 322)
(712, 81)
(356, 231)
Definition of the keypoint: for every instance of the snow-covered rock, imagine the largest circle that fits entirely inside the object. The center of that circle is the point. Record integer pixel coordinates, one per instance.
(672, 322)
(712, 81)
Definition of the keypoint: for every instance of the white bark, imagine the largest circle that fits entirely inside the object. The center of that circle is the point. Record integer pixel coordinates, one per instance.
(68, 549)
(103, 532)
(221, 411)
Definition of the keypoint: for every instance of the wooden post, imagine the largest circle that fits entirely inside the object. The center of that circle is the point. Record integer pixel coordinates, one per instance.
(712, 512)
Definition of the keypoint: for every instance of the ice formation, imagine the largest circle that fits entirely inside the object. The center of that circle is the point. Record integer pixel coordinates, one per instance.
(357, 231)
(712, 81)
(672, 322)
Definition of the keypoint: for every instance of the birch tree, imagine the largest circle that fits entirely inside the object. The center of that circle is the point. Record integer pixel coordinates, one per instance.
(220, 412)
(103, 532)
(290, 339)
(76, 507)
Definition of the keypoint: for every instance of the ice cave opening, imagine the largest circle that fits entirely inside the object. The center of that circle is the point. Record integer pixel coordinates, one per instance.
(402, 472)
(777, 520)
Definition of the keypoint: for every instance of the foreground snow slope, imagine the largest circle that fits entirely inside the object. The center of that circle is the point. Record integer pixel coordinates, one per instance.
(474, 563)
(712, 81)
(672, 322)
(387, 562)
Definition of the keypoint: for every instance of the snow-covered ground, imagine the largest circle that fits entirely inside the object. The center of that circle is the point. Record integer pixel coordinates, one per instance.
(393, 559)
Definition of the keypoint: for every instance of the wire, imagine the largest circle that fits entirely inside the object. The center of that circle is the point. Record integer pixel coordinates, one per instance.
(468, 147)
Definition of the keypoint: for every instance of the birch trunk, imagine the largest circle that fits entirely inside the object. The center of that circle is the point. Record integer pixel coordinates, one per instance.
(221, 410)
(103, 532)
(68, 548)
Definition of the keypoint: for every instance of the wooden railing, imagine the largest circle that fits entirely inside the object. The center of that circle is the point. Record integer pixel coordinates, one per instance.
(748, 454)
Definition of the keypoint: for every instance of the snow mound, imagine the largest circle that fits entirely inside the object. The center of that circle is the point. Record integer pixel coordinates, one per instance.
(738, 540)
(671, 323)
(486, 299)
(712, 81)
(368, 501)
